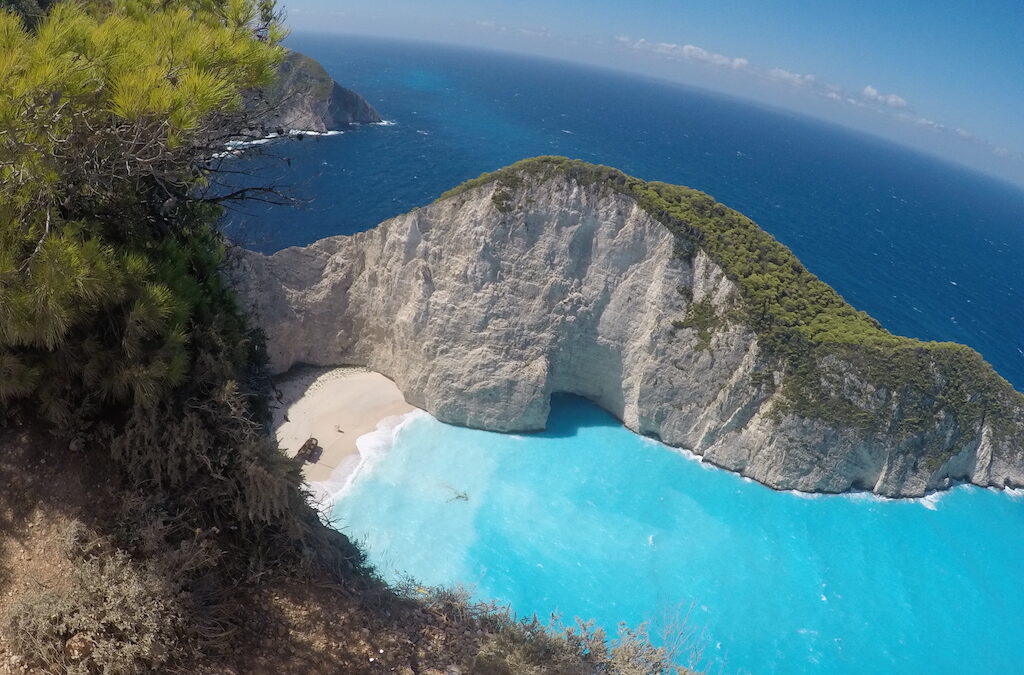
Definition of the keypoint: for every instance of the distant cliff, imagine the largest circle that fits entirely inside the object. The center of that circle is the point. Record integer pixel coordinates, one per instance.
(304, 97)
(678, 315)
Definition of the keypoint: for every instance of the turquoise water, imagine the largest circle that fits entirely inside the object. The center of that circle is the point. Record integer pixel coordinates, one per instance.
(592, 520)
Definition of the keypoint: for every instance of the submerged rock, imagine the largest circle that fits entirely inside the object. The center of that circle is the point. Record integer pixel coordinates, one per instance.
(674, 313)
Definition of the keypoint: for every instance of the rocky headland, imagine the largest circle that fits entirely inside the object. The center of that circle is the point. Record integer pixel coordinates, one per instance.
(304, 97)
(676, 314)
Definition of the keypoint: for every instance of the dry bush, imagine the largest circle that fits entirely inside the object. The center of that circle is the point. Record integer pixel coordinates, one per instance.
(531, 647)
(118, 617)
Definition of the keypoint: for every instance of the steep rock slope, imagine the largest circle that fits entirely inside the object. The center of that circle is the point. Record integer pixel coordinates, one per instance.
(674, 313)
(303, 96)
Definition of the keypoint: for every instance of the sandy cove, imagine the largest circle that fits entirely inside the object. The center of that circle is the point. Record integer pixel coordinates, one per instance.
(335, 406)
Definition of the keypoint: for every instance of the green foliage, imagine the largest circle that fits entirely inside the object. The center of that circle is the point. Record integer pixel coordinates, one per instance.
(30, 11)
(215, 450)
(107, 262)
(701, 317)
(816, 336)
(502, 200)
(117, 328)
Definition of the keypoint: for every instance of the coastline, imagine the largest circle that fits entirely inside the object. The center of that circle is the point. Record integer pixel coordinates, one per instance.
(345, 409)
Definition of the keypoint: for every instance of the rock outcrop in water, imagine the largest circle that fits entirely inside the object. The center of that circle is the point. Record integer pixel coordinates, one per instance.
(304, 97)
(676, 314)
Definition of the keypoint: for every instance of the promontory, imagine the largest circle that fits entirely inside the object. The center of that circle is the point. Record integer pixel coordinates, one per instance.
(305, 97)
(673, 312)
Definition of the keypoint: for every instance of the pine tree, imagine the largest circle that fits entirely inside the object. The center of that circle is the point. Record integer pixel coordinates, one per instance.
(109, 113)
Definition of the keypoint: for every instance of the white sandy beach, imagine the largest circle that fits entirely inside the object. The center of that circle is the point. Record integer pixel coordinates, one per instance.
(335, 406)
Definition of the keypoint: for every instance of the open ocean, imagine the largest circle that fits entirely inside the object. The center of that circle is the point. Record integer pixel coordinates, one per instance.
(590, 519)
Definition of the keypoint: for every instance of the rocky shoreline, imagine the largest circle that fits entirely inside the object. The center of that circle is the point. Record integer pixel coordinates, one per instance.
(305, 97)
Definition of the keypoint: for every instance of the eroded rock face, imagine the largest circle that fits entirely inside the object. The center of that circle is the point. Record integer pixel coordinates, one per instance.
(482, 305)
(304, 97)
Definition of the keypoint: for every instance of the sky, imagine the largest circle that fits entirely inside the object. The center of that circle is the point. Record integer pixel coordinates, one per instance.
(944, 76)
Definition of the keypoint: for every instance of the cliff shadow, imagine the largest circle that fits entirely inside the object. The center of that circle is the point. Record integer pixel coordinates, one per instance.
(571, 412)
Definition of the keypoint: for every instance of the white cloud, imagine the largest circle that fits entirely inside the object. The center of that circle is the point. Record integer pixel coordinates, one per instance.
(891, 100)
(688, 53)
(795, 79)
(869, 98)
(534, 32)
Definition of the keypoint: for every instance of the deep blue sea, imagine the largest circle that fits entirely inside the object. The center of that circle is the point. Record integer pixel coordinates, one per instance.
(593, 520)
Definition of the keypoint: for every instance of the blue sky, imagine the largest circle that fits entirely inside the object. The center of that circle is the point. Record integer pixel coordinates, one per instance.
(946, 76)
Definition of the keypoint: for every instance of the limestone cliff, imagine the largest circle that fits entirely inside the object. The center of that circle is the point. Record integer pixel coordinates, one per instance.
(674, 313)
(304, 97)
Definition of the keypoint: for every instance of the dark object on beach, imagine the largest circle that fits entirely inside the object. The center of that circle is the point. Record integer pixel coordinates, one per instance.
(310, 451)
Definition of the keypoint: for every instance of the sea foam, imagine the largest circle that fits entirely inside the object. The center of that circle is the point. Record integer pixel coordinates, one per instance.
(372, 447)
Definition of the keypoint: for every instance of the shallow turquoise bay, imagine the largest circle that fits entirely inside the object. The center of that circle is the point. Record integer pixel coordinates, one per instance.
(591, 520)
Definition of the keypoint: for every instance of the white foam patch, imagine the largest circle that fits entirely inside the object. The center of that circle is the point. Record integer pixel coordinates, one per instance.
(372, 448)
(863, 497)
(304, 132)
(385, 123)
(804, 495)
(242, 145)
(235, 148)
(688, 454)
(930, 502)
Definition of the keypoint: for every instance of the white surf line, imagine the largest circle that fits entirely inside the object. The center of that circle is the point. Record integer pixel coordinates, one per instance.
(372, 447)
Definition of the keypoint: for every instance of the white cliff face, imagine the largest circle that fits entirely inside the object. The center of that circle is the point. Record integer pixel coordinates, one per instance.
(480, 311)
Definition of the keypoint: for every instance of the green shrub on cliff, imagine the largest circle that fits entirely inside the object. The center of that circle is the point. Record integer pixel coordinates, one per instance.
(107, 262)
(701, 317)
(115, 325)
